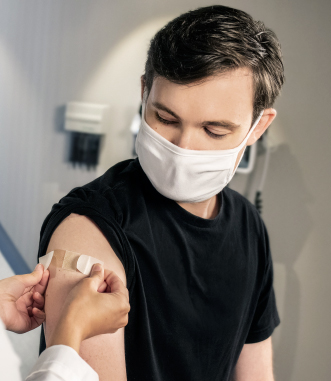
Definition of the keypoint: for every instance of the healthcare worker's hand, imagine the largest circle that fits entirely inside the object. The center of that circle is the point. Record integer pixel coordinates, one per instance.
(97, 305)
(22, 301)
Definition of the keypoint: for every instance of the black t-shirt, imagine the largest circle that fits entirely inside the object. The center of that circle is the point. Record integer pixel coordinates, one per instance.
(199, 288)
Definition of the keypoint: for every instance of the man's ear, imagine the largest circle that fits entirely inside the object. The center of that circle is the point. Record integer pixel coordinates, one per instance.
(268, 116)
(143, 84)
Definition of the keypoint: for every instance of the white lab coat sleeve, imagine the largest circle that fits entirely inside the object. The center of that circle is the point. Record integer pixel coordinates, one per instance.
(56, 363)
(61, 363)
(9, 360)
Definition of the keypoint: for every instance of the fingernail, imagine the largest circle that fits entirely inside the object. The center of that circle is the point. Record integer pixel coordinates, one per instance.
(38, 267)
(97, 267)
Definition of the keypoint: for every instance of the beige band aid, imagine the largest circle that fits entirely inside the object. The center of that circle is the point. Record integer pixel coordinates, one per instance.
(69, 260)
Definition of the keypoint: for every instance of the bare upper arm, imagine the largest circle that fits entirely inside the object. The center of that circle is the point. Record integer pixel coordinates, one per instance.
(255, 362)
(105, 353)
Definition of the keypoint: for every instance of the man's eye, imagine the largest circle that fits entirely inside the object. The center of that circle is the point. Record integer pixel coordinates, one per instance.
(164, 121)
(211, 134)
(214, 136)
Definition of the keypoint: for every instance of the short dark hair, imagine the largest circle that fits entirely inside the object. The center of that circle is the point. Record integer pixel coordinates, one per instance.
(216, 39)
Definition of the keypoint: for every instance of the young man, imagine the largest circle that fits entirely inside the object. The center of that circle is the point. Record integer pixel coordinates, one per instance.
(194, 254)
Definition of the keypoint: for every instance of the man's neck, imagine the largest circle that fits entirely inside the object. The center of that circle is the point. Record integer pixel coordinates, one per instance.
(206, 209)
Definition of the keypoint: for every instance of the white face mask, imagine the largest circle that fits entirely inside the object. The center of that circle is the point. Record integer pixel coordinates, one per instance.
(185, 175)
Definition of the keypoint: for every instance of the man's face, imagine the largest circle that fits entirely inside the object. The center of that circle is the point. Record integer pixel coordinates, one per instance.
(214, 115)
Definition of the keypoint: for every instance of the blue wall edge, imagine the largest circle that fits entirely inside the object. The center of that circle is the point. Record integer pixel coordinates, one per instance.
(11, 254)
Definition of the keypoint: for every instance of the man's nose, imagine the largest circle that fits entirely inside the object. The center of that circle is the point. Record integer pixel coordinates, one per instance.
(183, 139)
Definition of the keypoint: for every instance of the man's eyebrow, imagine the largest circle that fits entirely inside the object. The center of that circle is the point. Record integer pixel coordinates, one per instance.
(221, 123)
(160, 106)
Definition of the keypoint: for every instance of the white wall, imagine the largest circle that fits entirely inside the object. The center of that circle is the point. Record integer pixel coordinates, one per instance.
(52, 52)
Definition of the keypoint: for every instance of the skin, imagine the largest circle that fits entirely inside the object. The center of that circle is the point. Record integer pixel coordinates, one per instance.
(22, 301)
(98, 304)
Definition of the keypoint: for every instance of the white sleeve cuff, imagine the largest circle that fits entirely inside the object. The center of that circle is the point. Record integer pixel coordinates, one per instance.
(60, 362)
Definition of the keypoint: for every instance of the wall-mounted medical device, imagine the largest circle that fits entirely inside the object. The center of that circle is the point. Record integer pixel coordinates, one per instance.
(88, 122)
(247, 162)
(134, 128)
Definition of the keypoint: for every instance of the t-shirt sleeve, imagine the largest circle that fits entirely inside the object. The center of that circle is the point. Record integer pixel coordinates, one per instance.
(266, 317)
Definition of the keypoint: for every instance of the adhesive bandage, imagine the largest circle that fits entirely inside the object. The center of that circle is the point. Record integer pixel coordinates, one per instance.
(69, 260)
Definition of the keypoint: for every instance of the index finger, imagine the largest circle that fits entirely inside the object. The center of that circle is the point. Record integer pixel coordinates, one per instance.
(41, 286)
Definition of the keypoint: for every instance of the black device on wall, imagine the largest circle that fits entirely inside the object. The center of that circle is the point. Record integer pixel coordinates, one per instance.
(85, 149)
(88, 122)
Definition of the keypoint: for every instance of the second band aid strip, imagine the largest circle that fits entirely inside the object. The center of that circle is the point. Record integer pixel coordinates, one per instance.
(58, 256)
(70, 260)
(65, 259)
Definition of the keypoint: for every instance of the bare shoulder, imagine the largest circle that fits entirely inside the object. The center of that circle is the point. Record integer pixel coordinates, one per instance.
(105, 353)
(80, 234)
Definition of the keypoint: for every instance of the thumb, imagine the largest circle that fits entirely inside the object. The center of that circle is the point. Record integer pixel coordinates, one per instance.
(97, 273)
(33, 278)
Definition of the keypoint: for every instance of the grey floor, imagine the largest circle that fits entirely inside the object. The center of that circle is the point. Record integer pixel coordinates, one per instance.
(27, 344)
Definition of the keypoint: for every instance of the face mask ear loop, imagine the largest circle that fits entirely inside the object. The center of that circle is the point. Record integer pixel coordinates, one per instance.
(143, 120)
(144, 101)
(245, 140)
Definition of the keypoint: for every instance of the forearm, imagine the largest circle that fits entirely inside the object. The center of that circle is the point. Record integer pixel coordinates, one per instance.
(66, 333)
